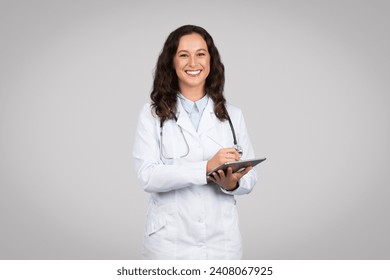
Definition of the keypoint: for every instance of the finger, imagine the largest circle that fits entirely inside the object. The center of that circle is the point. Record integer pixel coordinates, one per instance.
(216, 175)
(234, 155)
(211, 178)
(233, 176)
(227, 150)
(245, 171)
(221, 174)
(229, 172)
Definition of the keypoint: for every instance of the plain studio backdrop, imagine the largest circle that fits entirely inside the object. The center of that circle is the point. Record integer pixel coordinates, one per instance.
(312, 78)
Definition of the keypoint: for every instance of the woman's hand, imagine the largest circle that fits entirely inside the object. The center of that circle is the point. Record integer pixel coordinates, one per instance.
(229, 180)
(222, 156)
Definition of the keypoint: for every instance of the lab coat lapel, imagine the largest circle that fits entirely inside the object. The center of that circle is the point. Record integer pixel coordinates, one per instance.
(209, 120)
(183, 120)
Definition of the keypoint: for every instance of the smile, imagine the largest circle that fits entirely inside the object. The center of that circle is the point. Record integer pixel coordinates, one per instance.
(193, 72)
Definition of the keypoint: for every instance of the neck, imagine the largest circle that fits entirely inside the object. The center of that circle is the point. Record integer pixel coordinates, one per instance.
(193, 93)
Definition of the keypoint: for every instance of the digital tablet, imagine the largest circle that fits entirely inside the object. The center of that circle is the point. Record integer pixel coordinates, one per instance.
(237, 165)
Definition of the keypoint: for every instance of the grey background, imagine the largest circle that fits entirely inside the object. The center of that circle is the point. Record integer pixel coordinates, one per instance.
(312, 78)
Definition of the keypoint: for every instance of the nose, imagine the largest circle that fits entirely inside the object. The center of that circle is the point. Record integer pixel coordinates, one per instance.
(192, 61)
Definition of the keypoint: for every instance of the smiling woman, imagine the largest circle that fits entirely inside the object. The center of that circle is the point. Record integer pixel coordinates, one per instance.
(192, 65)
(178, 141)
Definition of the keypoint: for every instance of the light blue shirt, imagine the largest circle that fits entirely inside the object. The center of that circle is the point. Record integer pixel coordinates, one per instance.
(194, 109)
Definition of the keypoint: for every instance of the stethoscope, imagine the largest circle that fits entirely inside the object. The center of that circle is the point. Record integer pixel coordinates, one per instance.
(235, 146)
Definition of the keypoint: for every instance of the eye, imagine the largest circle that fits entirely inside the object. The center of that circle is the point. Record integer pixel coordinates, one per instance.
(201, 54)
(183, 55)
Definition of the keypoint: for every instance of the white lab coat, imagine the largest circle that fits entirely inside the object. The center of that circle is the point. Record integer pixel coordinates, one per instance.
(188, 218)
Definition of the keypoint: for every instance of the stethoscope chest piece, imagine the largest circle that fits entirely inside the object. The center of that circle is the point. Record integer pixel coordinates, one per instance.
(238, 149)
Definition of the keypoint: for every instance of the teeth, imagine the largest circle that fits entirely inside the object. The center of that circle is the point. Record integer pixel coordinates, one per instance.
(196, 72)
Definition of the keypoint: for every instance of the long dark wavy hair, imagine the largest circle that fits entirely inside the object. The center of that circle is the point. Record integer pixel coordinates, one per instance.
(166, 85)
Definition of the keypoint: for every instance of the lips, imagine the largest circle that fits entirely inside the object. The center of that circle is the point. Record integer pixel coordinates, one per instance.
(193, 72)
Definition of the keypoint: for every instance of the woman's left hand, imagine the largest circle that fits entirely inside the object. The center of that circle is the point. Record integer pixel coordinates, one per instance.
(229, 180)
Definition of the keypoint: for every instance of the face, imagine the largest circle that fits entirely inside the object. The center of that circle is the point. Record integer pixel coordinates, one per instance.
(192, 62)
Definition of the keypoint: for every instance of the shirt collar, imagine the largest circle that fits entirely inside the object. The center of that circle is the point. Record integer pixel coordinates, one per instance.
(188, 105)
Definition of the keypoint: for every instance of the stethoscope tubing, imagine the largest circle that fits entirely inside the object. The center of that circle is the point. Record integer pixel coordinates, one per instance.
(236, 146)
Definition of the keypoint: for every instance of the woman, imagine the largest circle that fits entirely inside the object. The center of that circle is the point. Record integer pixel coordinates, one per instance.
(181, 136)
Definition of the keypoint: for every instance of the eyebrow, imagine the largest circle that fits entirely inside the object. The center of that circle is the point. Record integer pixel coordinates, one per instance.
(195, 51)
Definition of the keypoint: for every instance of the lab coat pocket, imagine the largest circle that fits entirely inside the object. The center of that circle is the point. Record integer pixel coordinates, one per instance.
(155, 224)
(160, 233)
(161, 221)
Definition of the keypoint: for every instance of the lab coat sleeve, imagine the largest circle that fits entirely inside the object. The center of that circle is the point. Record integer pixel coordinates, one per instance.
(154, 175)
(248, 181)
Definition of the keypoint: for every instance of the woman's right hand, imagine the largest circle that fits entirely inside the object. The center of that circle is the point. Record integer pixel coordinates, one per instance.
(222, 156)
